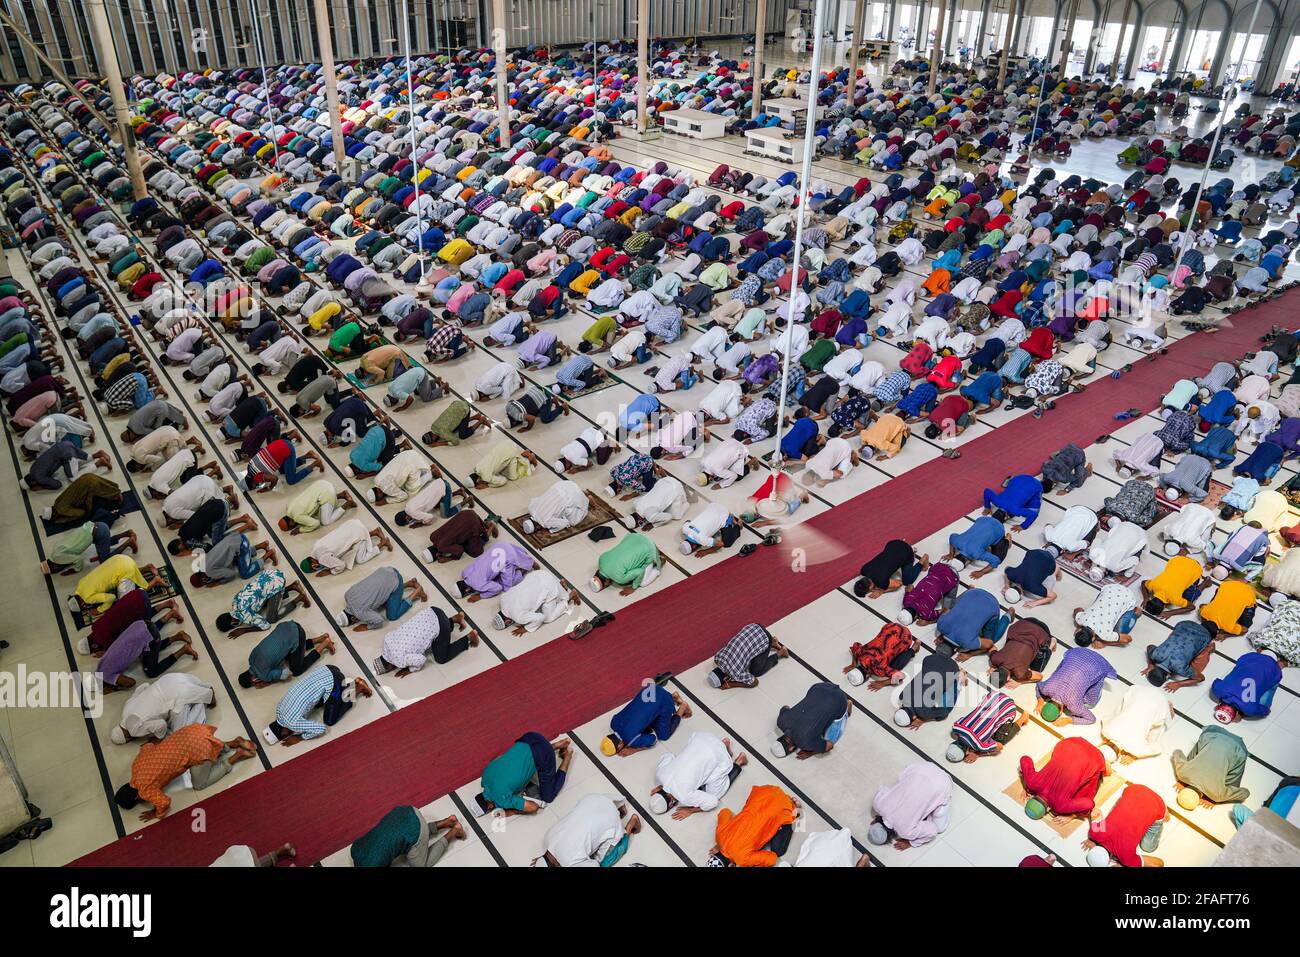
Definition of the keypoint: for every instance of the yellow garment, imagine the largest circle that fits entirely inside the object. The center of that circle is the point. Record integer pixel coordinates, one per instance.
(1225, 608)
(886, 434)
(319, 319)
(98, 586)
(456, 252)
(503, 463)
(584, 283)
(1180, 573)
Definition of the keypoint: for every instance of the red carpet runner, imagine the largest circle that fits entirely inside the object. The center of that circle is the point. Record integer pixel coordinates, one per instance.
(326, 798)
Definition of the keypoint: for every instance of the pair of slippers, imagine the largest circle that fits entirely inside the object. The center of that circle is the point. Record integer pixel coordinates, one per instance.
(586, 627)
(772, 538)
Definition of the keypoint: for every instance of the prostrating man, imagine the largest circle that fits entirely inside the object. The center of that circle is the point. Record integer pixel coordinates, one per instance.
(1134, 823)
(1070, 692)
(1179, 661)
(883, 658)
(814, 724)
(985, 731)
(169, 703)
(634, 562)
(1211, 772)
(322, 687)
(346, 545)
(194, 748)
(379, 597)
(895, 566)
(407, 647)
(404, 838)
(264, 600)
(561, 506)
(932, 693)
(526, 778)
(1023, 656)
(914, 810)
(759, 833)
(592, 834)
(650, 717)
(1068, 782)
(695, 779)
(283, 654)
(538, 599)
(747, 655)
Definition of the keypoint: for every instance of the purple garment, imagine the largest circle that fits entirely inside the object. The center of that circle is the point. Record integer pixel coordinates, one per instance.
(1076, 684)
(1287, 435)
(535, 347)
(124, 651)
(498, 569)
(757, 371)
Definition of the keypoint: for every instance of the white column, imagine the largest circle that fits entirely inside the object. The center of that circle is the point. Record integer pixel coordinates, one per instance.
(502, 84)
(113, 77)
(756, 62)
(1013, 8)
(936, 52)
(325, 40)
(642, 61)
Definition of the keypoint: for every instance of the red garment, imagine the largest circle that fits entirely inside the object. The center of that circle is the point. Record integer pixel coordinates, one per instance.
(1039, 343)
(914, 363)
(874, 657)
(1005, 304)
(949, 409)
(124, 612)
(1068, 782)
(1123, 828)
(944, 370)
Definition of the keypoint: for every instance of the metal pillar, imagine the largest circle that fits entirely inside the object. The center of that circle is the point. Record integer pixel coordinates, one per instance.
(859, 19)
(756, 64)
(1119, 42)
(936, 52)
(1066, 42)
(642, 61)
(1221, 53)
(410, 105)
(1014, 8)
(113, 77)
(503, 86)
(325, 40)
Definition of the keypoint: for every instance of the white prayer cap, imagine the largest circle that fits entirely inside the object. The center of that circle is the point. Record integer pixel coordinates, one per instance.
(902, 718)
(684, 547)
(1012, 596)
(701, 479)
(778, 749)
(609, 490)
(427, 554)
(124, 587)
(596, 583)
(1172, 548)
(499, 621)
(856, 677)
(1095, 573)
(1220, 573)
(1124, 471)
(1171, 493)
(876, 834)
(957, 565)
(1109, 752)
(341, 619)
(558, 465)
(83, 646)
(370, 495)
(658, 803)
(352, 473)
(1112, 521)
(1277, 599)
(955, 753)
(1098, 856)
(905, 617)
(117, 735)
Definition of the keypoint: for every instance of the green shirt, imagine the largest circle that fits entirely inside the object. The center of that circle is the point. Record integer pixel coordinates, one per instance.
(626, 562)
(505, 778)
(344, 335)
(599, 329)
(70, 549)
(821, 352)
(394, 835)
(445, 425)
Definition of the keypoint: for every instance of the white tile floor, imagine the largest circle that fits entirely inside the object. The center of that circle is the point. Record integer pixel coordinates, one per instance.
(70, 772)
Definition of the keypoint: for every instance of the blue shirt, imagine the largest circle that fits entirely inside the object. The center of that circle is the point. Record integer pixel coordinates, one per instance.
(974, 543)
(637, 413)
(650, 711)
(970, 613)
(984, 389)
(1021, 498)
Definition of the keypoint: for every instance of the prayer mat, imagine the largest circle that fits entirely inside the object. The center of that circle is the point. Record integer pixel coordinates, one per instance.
(609, 381)
(1078, 565)
(129, 504)
(85, 617)
(598, 513)
(1067, 824)
(1165, 508)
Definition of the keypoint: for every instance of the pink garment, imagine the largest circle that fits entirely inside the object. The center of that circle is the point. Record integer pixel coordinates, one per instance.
(917, 803)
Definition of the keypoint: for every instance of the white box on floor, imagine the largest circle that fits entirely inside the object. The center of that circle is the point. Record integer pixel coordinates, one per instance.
(696, 123)
(771, 143)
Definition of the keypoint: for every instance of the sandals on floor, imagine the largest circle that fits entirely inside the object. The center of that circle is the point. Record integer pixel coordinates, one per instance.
(951, 454)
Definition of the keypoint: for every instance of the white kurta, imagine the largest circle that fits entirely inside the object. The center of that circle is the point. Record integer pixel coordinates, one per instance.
(834, 456)
(539, 598)
(726, 463)
(586, 834)
(828, 849)
(406, 473)
(697, 776)
(1069, 534)
(1139, 724)
(724, 401)
(344, 547)
(167, 703)
(561, 506)
(580, 451)
(1192, 527)
(1118, 550)
(665, 502)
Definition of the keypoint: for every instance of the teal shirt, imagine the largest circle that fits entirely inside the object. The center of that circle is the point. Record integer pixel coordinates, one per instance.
(394, 835)
(626, 562)
(505, 778)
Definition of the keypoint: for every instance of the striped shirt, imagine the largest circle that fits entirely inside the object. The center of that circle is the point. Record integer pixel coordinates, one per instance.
(306, 694)
(977, 729)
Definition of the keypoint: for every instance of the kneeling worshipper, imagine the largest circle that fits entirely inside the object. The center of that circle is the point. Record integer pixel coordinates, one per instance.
(526, 778)
(501, 464)
(1174, 591)
(465, 533)
(814, 724)
(1136, 728)
(1211, 772)
(747, 655)
(169, 703)
(1117, 552)
(436, 499)
(883, 658)
(932, 693)
(1231, 610)
(914, 810)
(759, 833)
(1034, 578)
(1247, 690)
(650, 717)
(1074, 532)
(1109, 619)
(538, 599)
(986, 540)
(140, 641)
(895, 566)
(1191, 529)
(283, 654)
(109, 580)
(1134, 823)
(930, 597)
(1284, 802)
(1021, 497)
(1179, 661)
(495, 572)
(1070, 691)
(315, 507)
(830, 849)
(696, 778)
(1066, 470)
(379, 597)
(195, 751)
(633, 562)
(1068, 782)
(713, 529)
(561, 506)
(408, 646)
(1023, 656)
(974, 624)
(323, 687)
(401, 477)
(984, 732)
(343, 547)
(665, 502)
(1280, 635)
(404, 838)
(592, 834)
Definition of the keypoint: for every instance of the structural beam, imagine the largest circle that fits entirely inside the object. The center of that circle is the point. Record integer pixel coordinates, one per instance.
(642, 61)
(859, 20)
(936, 52)
(1067, 42)
(1013, 9)
(325, 41)
(1119, 42)
(756, 64)
(502, 83)
(116, 89)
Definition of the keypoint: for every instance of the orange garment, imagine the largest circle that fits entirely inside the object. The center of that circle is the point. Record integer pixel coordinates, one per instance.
(1180, 573)
(161, 762)
(741, 837)
(939, 281)
(1225, 608)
